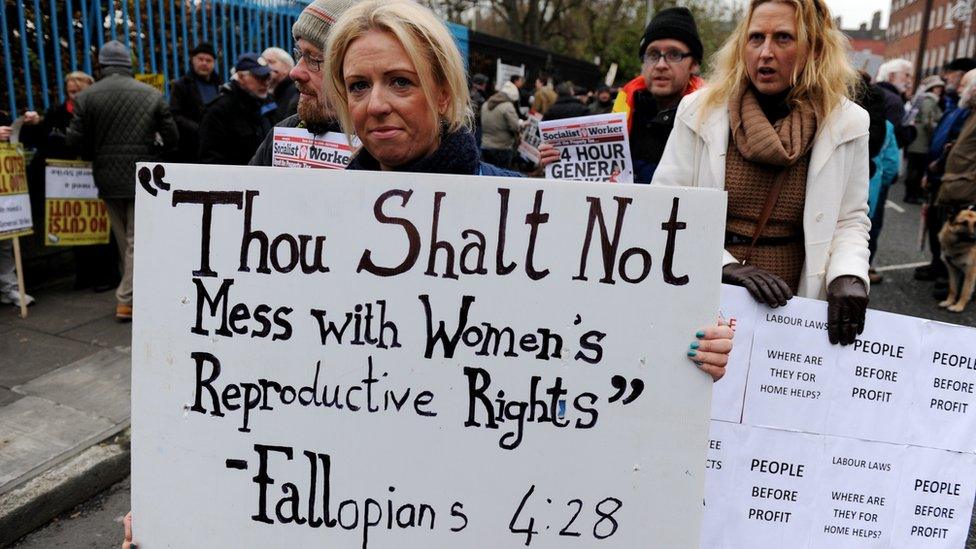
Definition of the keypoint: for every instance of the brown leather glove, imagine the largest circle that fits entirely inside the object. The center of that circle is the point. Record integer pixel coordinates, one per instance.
(764, 286)
(847, 303)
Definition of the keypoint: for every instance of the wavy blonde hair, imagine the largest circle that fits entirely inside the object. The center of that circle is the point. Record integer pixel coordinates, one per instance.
(822, 77)
(428, 44)
(83, 79)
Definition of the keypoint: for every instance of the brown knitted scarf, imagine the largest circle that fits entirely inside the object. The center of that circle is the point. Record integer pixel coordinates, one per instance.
(758, 152)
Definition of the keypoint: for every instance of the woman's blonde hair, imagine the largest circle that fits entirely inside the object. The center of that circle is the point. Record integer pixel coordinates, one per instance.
(822, 77)
(428, 44)
(83, 79)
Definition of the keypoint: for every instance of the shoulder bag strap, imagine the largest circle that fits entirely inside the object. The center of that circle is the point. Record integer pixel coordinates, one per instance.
(771, 198)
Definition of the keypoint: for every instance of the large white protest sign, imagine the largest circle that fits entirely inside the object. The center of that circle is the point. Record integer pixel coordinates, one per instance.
(504, 73)
(591, 148)
(844, 447)
(299, 148)
(359, 359)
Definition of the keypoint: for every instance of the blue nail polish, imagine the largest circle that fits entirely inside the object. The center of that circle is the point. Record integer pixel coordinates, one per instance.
(692, 352)
(694, 344)
(700, 334)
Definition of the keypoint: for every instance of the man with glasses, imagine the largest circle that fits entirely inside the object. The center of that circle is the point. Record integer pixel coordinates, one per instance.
(671, 52)
(311, 30)
(238, 119)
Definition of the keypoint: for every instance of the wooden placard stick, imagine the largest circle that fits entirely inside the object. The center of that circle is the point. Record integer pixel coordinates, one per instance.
(20, 278)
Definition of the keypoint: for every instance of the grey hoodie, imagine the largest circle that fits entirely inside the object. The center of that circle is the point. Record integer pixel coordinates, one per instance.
(499, 123)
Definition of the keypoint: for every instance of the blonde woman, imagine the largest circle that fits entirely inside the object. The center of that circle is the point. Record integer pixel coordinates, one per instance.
(778, 133)
(58, 118)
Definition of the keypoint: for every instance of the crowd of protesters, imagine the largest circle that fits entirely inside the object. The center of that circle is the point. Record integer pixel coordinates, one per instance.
(782, 112)
(806, 147)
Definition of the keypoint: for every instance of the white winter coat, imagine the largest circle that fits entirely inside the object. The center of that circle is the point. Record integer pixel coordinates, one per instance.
(835, 216)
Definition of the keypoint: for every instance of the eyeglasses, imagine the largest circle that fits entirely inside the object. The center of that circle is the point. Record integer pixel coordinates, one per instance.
(314, 63)
(671, 57)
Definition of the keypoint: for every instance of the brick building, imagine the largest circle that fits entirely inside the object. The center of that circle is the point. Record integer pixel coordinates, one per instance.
(868, 39)
(946, 25)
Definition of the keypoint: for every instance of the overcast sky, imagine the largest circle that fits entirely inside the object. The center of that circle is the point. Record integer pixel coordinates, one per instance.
(855, 12)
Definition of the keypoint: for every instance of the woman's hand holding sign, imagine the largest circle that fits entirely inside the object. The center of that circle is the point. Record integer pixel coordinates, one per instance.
(711, 348)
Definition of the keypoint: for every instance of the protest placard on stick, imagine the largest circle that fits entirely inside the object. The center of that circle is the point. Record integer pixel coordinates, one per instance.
(73, 213)
(591, 148)
(372, 359)
(15, 210)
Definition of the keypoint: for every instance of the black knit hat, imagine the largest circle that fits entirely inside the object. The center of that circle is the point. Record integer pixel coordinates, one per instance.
(964, 64)
(203, 47)
(677, 24)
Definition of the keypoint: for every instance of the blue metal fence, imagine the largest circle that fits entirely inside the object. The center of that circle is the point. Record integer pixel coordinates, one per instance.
(49, 38)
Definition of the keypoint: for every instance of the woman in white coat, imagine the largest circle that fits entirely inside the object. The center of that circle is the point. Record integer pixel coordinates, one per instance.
(777, 131)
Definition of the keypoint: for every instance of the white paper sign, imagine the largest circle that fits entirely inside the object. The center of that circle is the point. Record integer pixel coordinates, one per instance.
(528, 146)
(943, 414)
(792, 363)
(299, 148)
(70, 181)
(408, 360)
(591, 148)
(935, 502)
(739, 310)
(829, 452)
(856, 493)
(15, 213)
(874, 381)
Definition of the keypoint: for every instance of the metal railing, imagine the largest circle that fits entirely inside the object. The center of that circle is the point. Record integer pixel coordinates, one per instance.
(43, 40)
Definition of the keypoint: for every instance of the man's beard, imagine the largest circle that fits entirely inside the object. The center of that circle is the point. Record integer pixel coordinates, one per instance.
(311, 111)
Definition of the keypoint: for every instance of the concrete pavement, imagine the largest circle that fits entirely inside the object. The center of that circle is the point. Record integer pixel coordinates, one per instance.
(64, 405)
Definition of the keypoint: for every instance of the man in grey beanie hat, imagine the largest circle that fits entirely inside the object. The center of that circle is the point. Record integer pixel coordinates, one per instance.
(117, 122)
(311, 30)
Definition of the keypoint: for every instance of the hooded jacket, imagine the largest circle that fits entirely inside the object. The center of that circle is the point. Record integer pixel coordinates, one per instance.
(926, 121)
(499, 123)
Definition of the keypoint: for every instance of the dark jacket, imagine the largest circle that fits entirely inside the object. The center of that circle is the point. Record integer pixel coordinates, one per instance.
(116, 124)
(187, 106)
(457, 154)
(477, 100)
(286, 97)
(566, 106)
(598, 107)
(872, 99)
(265, 152)
(234, 126)
(895, 113)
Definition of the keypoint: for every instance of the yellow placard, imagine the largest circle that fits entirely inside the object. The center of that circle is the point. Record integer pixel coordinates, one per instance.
(75, 222)
(15, 214)
(153, 79)
(13, 175)
(73, 214)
